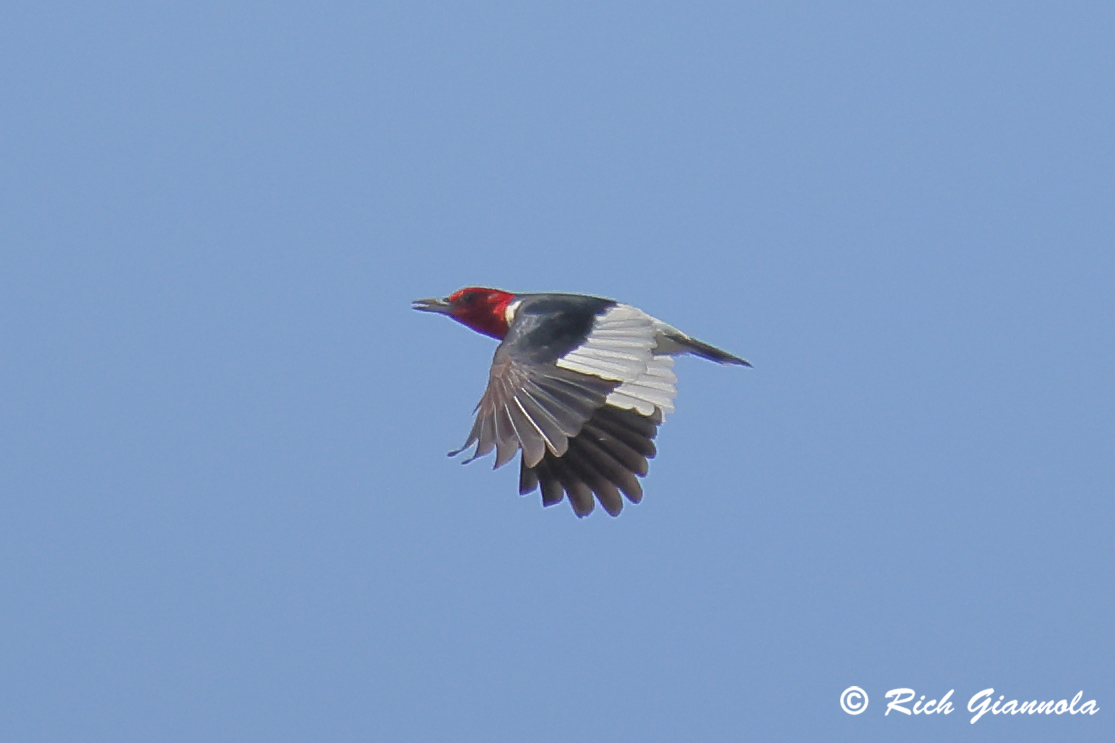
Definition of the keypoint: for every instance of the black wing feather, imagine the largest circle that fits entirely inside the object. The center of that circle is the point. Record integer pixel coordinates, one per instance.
(604, 458)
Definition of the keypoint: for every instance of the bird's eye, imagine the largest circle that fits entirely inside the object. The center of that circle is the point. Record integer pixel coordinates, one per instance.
(468, 298)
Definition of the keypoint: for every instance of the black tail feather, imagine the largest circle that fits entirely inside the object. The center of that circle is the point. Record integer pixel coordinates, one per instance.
(705, 351)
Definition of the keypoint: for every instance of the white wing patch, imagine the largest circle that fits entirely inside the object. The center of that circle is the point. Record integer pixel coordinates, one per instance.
(618, 347)
(653, 389)
(621, 347)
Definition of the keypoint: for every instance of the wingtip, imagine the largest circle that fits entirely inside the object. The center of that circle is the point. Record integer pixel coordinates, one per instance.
(475, 455)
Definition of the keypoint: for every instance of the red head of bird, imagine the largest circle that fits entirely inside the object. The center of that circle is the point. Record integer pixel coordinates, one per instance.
(482, 309)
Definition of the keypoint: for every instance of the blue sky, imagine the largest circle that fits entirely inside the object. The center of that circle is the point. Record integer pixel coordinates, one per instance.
(227, 510)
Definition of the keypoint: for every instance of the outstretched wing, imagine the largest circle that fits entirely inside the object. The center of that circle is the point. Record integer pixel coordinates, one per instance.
(581, 392)
(535, 408)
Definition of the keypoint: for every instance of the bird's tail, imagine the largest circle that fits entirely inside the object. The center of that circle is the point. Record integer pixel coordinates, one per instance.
(712, 353)
(685, 343)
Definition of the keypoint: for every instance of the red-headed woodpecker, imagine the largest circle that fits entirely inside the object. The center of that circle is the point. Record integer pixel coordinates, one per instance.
(580, 384)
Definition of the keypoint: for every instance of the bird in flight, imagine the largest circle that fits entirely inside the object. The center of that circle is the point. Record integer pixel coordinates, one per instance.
(580, 384)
